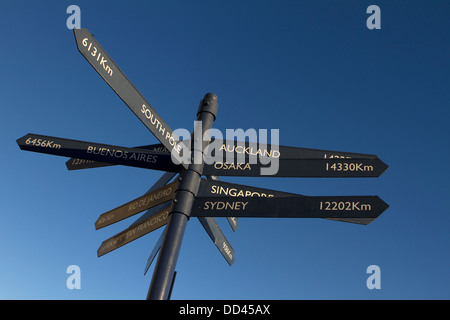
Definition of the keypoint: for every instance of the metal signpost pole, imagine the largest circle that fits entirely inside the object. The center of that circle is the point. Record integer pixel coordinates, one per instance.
(190, 179)
(196, 197)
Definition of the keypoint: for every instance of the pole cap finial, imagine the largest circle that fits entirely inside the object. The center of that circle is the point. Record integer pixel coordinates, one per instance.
(209, 104)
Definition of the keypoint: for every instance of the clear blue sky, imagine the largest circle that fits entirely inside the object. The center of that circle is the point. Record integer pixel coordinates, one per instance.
(311, 69)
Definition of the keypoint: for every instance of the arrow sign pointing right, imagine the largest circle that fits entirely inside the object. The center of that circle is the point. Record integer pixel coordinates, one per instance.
(290, 207)
(211, 188)
(309, 168)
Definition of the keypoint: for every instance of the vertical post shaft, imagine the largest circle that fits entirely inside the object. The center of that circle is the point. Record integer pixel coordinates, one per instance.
(182, 204)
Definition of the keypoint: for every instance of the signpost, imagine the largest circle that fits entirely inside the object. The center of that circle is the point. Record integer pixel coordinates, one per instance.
(190, 195)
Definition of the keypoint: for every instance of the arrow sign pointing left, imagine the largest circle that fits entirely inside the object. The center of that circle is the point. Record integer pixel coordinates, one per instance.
(147, 201)
(150, 224)
(140, 158)
(116, 79)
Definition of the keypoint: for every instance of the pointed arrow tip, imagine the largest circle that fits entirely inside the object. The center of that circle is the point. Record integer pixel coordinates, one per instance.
(101, 250)
(383, 166)
(68, 165)
(21, 140)
(382, 206)
(385, 206)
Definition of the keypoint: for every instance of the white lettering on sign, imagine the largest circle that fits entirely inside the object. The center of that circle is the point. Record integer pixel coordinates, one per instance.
(146, 200)
(232, 166)
(43, 143)
(237, 192)
(224, 205)
(120, 154)
(76, 161)
(162, 130)
(148, 223)
(250, 151)
(344, 206)
(133, 233)
(95, 53)
(338, 166)
(332, 156)
(227, 250)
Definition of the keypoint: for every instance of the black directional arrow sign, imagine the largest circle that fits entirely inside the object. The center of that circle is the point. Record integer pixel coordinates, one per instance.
(116, 79)
(290, 207)
(327, 168)
(210, 188)
(233, 158)
(234, 150)
(98, 152)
